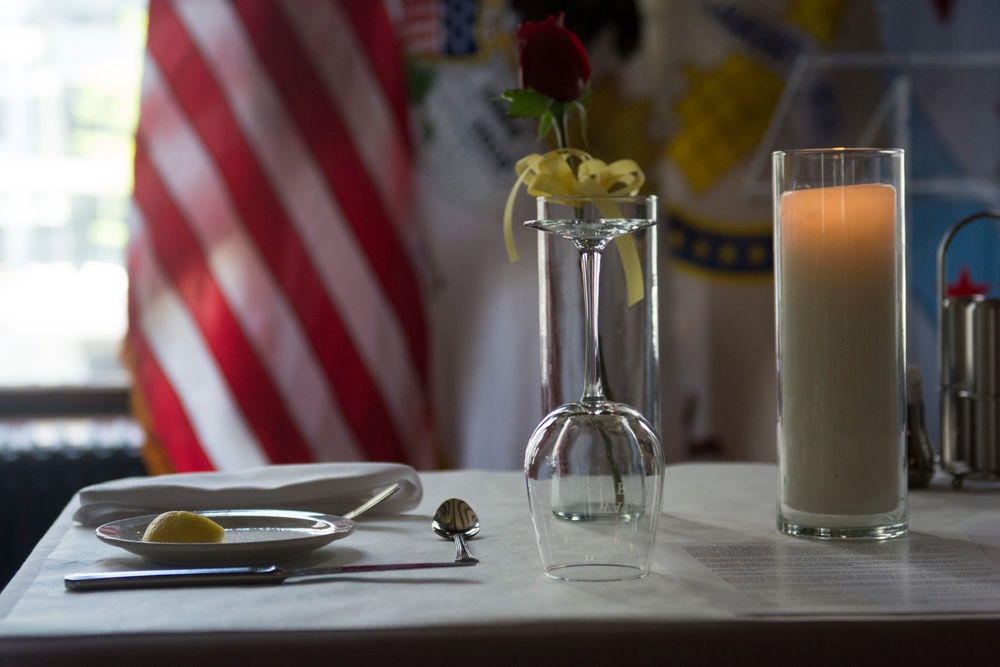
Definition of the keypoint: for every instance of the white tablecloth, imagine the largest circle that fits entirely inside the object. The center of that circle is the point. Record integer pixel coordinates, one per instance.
(502, 610)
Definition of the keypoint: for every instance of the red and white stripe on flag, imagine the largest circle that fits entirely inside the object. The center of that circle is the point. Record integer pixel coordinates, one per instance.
(275, 308)
(422, 26)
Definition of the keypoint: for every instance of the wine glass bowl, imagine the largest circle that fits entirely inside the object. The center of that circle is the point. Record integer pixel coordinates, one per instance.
(579, 443)
(596, 464)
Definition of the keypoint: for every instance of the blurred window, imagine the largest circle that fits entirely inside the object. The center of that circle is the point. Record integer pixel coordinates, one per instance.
(70, 72)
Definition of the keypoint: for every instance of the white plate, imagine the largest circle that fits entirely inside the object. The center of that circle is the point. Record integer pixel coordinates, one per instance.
(253, 537)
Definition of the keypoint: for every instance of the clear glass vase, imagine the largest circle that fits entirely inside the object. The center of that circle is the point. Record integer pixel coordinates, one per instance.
(594, 465)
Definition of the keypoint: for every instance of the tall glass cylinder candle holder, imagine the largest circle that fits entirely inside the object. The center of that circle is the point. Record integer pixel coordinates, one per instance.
(839, 285)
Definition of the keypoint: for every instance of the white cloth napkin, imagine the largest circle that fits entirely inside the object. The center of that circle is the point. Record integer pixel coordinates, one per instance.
(330, 488)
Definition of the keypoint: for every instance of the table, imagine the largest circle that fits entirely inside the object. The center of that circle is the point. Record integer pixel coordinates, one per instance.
(503, 611)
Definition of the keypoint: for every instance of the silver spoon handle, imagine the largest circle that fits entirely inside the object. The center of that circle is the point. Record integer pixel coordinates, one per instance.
(462, 553)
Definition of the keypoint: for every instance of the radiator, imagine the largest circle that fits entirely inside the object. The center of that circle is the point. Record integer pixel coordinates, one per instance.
(43, 462)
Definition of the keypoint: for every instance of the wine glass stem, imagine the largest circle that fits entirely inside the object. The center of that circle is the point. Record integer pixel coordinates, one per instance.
(593, 387)
(590, 265)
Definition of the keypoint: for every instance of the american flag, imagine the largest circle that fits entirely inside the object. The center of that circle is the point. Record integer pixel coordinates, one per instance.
(440, 27)
(275, 305)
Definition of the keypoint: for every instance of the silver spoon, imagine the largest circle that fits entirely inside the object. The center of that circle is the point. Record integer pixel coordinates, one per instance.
(372, 502)
(455, 520)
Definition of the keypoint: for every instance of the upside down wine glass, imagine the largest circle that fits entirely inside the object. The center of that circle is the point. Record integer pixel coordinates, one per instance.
(594, 467)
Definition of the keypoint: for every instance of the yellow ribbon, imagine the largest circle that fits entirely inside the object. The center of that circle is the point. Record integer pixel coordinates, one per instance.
(552, 175)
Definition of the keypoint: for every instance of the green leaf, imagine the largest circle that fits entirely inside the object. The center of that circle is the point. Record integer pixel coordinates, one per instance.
(419, 80)
(582, 110)
(526, 103)
(545, 124)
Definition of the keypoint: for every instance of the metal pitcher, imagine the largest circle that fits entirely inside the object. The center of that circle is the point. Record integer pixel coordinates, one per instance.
(969, 386)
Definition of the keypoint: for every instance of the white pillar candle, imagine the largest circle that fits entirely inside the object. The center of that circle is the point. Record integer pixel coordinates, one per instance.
(840, 354)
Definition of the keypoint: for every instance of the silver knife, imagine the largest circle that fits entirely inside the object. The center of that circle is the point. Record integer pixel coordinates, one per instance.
(209, 576)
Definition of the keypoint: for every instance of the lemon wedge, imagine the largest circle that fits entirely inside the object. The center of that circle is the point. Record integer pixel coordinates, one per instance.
(183, 527)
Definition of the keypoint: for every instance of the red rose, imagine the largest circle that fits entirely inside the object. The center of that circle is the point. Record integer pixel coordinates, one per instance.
(553, 60)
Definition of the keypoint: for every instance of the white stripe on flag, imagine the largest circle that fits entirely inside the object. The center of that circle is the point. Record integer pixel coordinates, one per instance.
(188, 364)
(240, 273)
(353, 87)
(338, 259)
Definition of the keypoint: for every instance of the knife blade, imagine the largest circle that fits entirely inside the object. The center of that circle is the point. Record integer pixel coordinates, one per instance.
(211, 576)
